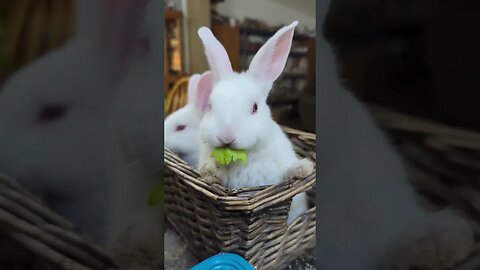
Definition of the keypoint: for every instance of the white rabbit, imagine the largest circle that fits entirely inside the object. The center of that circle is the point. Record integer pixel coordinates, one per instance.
(53, 116)
(368, 216)
(238, 117)
(181, 127)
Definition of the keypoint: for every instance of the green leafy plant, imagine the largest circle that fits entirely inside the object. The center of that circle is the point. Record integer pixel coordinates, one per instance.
(156, 196)
(225, 156)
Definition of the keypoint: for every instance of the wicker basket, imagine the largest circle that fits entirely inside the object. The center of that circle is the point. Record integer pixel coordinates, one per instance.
(251, 222)
(34, 237)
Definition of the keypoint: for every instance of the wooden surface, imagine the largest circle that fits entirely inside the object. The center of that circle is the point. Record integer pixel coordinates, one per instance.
(230, 38)
(169, 77)
(177, 96)
(173, 15)
(197, 15)
(34, 27)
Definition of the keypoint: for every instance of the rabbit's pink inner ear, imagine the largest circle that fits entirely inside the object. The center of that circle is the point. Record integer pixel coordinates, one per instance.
(123, 23)
(269, 62)
(204, 89)
(192, 87)
(216, 54)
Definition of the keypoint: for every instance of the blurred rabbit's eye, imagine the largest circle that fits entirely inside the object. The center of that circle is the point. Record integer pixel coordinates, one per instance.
(209, 107)
(255, 108)
(51, 112)
(180, 127)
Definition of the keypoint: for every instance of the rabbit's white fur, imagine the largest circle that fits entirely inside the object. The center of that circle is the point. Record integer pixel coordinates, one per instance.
(66, 160)
(69, 161)
(186, 142)
(365, 204)
(271, 158)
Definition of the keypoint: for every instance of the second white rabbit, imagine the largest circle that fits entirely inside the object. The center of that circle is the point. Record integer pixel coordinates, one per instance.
(180, 129)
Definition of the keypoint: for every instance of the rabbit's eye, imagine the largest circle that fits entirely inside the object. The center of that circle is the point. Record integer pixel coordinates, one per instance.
(52, 112)
(255, 108)
(180, 127)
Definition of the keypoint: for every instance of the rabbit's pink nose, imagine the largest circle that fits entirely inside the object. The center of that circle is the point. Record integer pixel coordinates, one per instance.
(226, 138)
(226, 141)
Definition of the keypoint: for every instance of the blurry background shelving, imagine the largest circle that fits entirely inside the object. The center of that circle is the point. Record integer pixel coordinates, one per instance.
(173, 47)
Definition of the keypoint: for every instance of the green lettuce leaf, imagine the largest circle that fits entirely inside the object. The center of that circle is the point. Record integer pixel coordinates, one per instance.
(225, 156)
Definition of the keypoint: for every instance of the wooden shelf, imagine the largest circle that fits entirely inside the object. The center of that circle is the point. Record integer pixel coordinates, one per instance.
(172, 15)
(172, 78)
(230, 38)
(173, 55)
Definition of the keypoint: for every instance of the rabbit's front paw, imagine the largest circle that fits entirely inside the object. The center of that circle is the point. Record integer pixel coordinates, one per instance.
(431, 246)
(210, 172)
(301, 169)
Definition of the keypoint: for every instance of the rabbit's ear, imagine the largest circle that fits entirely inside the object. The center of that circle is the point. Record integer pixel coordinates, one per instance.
(192, 87)
(204, 88)
(269, 62)
(216, 54)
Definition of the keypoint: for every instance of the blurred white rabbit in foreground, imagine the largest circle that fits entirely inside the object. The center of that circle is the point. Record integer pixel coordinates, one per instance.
(238, 117)
(53, 116)
(91, 147)
(368, 216)
(181, 127)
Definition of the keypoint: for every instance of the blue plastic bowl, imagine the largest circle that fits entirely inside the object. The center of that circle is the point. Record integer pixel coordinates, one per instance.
(224, 261)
